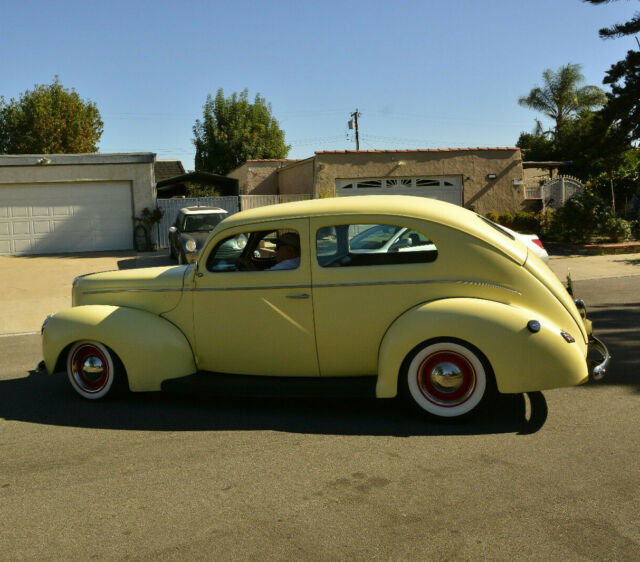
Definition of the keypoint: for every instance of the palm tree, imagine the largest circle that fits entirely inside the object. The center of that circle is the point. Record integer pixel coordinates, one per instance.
(561, 95)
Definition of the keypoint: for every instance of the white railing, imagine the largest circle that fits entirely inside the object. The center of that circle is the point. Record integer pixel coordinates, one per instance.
(253, 201)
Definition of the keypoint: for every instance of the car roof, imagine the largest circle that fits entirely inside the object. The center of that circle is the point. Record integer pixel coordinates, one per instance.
(408, 206)
(202, 210)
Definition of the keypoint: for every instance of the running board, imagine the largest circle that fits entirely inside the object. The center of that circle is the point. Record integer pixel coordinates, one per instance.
(223, 384)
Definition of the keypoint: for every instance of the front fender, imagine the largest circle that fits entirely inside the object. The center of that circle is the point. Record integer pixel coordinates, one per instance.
(150, 347)
(522, 361)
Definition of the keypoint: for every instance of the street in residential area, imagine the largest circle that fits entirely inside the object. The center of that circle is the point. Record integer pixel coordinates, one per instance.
(549, 475)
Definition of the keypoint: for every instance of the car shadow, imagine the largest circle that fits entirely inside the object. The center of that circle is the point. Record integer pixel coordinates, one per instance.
(40, 398)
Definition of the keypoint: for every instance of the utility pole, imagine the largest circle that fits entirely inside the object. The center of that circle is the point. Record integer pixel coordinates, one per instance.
(353, 123)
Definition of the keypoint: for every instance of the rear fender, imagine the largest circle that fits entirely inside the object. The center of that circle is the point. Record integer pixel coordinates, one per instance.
(522, 361)
(150, 347)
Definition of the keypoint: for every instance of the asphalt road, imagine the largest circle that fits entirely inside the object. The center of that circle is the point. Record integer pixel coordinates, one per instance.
(551, 475)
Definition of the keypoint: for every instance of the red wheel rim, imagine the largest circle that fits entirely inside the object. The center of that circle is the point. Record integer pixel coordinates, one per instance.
(451, 390)
(90, 368)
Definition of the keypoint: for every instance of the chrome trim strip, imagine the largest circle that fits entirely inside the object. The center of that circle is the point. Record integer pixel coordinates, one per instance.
(319, 286)
(105, 291)
(367, 284)
(425, 282)
(257, 287)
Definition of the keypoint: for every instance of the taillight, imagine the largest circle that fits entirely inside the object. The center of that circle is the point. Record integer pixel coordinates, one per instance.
(537, 242)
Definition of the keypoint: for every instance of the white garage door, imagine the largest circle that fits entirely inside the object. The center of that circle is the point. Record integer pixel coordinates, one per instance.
(58, 218)
(444, 188)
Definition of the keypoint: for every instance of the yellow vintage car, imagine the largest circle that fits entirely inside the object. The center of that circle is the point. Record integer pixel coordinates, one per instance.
(386, 295)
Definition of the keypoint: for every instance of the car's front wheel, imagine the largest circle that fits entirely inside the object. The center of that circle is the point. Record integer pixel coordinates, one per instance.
(94, 371)
(447, 378)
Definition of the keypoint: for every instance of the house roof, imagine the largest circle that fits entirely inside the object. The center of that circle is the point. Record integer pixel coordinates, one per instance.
(166, 169)
(228, 186)
(417, 150)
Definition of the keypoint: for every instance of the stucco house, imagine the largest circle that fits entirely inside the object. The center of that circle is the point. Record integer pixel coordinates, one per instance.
(59, 203)
(485, 179)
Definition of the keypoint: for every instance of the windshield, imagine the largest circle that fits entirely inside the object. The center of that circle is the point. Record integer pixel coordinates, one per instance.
(201, 223)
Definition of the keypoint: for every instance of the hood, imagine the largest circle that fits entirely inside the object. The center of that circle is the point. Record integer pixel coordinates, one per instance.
(156, 289)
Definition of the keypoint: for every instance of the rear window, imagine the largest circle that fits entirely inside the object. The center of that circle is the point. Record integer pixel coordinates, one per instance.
(356, 245)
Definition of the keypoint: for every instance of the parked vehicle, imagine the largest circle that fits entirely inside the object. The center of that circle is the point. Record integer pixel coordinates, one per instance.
(469, 313)
(532, 241)
(189, 232)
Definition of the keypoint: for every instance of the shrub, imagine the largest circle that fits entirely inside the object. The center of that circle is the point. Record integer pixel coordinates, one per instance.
(618, 229)
(527, 222)
(506, 219)
(635, 229)
(580, 218)
(492, 216)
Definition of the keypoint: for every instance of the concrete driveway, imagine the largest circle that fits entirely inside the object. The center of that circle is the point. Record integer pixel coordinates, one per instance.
(33, 287)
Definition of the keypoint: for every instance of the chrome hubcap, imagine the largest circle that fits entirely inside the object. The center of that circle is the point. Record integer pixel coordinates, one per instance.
(92, 368)
(447, 377)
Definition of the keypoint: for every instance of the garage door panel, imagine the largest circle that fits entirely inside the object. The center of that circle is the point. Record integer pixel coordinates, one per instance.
(57, 218)
(21, 228)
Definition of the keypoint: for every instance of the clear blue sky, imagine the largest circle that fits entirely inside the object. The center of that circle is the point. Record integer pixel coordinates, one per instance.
(424, 74)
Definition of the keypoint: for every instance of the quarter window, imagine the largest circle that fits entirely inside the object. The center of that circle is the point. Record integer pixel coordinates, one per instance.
(372, 244)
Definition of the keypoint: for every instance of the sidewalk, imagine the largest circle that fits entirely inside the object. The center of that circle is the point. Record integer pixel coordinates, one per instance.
(595, 267)
(32, 287)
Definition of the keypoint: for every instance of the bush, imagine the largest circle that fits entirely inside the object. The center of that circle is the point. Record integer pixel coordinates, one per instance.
(492, 216)
(580, 218)
(506, 219)
(635, 229)
(526, 222)
(618, 230)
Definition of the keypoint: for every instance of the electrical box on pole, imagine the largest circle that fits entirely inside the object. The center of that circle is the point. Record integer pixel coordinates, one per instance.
(353, 124)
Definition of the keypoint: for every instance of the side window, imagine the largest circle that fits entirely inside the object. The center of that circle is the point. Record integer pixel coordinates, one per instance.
(372, 244)
(257, 251)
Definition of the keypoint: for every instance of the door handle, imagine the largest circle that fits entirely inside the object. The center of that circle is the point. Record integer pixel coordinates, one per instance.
(302, 296)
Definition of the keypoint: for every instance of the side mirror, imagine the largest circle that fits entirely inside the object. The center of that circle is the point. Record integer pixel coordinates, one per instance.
(173, 229)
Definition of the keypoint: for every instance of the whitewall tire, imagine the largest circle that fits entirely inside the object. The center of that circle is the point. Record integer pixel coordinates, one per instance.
(92, 369)
(448, 378)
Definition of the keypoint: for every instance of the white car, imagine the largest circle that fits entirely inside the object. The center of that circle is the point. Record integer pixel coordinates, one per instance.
(532, 242)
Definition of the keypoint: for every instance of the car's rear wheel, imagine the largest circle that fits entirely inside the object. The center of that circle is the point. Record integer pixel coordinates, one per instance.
(94, 371)
(448, 378)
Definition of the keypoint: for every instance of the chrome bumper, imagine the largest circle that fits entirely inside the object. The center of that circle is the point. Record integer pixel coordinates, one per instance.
(597, 369)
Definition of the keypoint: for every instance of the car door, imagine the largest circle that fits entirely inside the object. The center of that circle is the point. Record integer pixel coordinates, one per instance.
(256, 322)
(358, 292)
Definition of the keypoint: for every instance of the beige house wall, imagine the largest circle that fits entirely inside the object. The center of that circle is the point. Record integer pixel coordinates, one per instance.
(258, 177)
(479, 192)
(297, 178)
(318, 175)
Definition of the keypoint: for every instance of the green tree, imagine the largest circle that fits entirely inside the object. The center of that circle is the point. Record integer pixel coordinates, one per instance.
(49, 119)
(623, 105)
(561, 95)
(619, 29)
(233, 130)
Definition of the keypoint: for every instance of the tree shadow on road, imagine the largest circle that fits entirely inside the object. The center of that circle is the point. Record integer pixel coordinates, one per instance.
(619, 328)
(44, 399)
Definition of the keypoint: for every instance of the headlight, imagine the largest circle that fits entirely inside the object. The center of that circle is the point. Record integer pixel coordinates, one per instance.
(190, 245)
